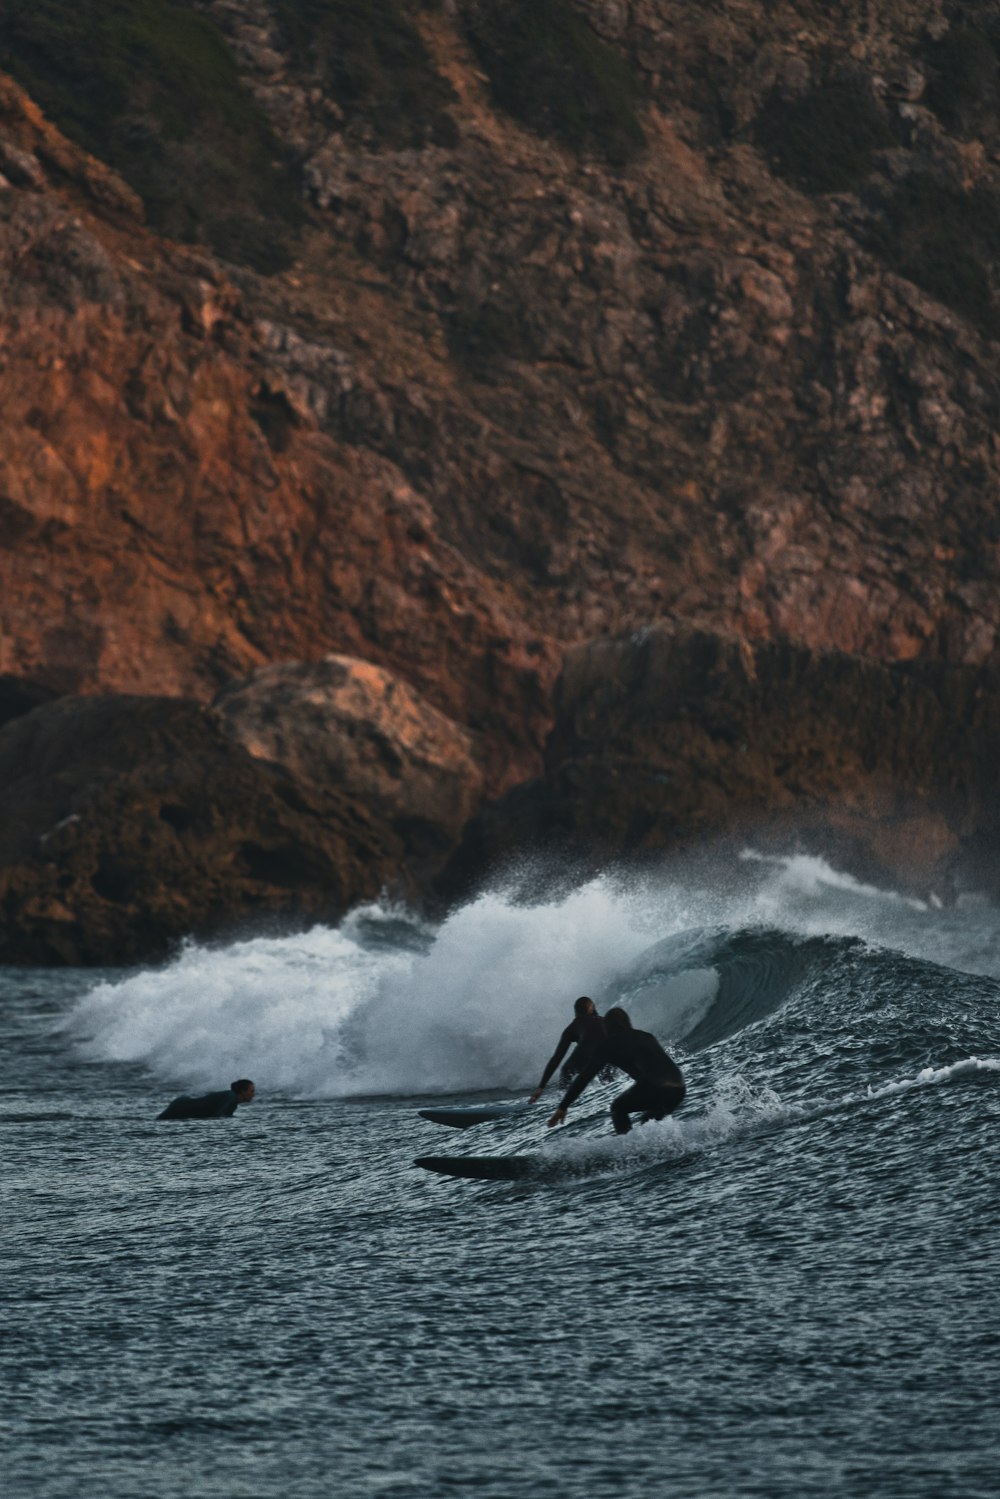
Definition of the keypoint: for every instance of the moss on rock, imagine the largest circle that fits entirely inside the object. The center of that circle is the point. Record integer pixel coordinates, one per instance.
(372, 60)
(152, 89)
(825, 139)
(549, 70)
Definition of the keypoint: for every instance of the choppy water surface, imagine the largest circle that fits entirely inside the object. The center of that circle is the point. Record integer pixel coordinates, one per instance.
(788, 1289)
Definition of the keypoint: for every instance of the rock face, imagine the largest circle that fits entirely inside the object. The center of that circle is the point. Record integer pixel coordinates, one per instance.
(349, 725)
(587, 313)
(173, 516)
(667, 738)
(128, 823)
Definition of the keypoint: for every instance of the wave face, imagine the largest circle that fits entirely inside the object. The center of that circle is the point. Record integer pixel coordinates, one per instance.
(781, 969)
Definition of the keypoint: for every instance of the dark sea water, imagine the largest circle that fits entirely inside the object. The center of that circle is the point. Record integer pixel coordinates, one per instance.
(789, 1289)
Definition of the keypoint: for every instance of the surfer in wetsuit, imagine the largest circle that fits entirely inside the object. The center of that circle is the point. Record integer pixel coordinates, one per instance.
(658, 1088)
(585, 1029)
(220, 1105)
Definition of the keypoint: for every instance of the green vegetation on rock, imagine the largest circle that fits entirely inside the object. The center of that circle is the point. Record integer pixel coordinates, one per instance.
(152, 89)
(962, 82)
(826, 139)
(372, 61)
(549, 70)
(945, 240)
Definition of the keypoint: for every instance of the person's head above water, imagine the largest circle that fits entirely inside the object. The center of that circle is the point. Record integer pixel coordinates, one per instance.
(618, 1019)
(583, 1007)
(243, 1088)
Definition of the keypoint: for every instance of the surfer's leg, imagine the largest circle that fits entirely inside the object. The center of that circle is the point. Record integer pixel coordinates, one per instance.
(623, 1105)
(659, 1102)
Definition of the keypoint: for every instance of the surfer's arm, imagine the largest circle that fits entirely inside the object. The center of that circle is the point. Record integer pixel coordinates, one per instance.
(592, 1064)
(565, 1042)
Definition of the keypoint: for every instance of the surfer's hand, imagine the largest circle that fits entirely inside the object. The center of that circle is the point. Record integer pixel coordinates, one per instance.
(557, 1117)
(535, 1096)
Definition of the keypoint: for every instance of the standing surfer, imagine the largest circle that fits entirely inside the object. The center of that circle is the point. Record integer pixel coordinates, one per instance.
(658, 1088)
(584, 1030)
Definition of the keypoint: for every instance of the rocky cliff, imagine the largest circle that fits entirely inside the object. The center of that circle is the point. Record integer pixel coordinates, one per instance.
(443, 338)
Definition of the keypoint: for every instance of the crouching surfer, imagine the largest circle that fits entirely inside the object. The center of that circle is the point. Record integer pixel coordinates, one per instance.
(658, 1084)
(586, 1029)
(221, 1105)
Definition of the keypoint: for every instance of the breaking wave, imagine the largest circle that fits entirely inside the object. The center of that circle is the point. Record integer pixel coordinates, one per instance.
(786, 965)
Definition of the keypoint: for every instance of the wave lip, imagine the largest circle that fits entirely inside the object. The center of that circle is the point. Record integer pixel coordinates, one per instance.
(740, 978)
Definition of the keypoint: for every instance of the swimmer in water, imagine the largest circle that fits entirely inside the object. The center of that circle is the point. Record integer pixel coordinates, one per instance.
(220, 1105)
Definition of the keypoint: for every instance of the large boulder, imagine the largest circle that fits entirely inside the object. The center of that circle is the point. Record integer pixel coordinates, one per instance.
(345, 723)
(129, 823)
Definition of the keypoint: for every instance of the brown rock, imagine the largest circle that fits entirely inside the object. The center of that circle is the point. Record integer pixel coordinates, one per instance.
(345, 724)
(671, 738)
(507, 399)
(128, 824)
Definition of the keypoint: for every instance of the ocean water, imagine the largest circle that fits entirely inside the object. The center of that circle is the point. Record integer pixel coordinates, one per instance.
(790, 1288)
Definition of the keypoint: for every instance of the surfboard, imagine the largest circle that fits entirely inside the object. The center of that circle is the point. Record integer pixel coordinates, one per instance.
(466, 1115)
(503, 1168)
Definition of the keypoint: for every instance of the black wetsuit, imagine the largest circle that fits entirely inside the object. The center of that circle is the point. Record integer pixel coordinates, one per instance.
(659, 1083)
(582, 1032)
(208, 1106)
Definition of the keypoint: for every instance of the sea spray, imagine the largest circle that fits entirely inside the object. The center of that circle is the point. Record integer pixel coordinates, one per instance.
(334, 1012)
(386, 1004)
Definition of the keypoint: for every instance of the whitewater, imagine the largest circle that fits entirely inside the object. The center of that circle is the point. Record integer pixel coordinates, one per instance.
(788, 1288)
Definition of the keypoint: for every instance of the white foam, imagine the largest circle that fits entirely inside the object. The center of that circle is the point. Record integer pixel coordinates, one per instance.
(271, 1009)
(967, 1067)
(738, 1110)
(324, 1015)
(329, 1014)
(806, 895)
(810, 876)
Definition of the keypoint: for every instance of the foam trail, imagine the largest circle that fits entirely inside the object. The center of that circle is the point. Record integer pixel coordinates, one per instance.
(968, 1067)
(738, 1111)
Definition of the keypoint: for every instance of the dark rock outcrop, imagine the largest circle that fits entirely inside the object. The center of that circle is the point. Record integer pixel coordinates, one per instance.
(670, 738)
(127, 824)
(18, 696)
